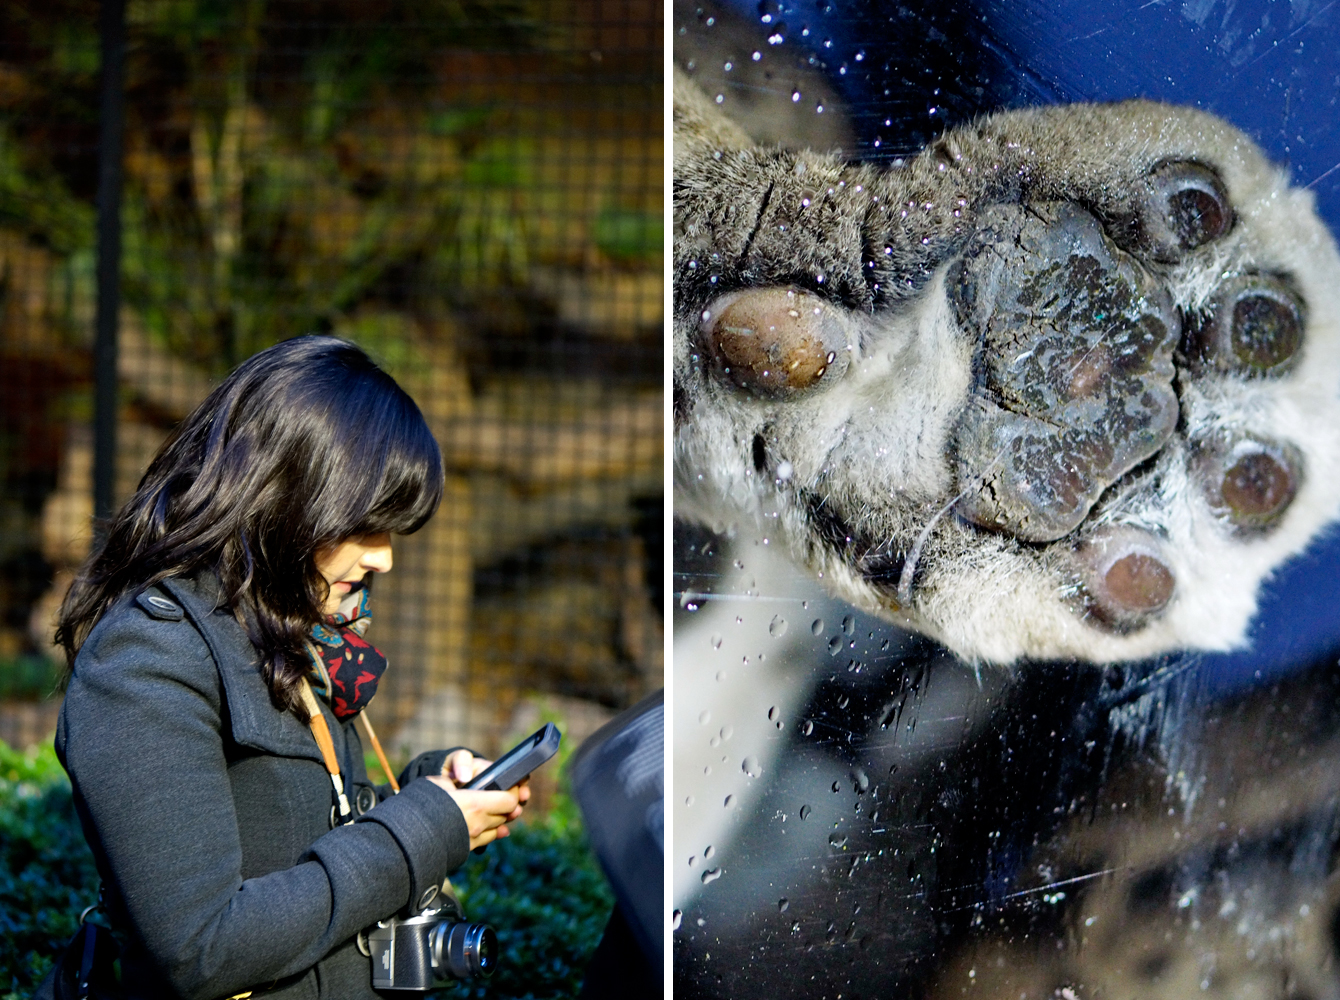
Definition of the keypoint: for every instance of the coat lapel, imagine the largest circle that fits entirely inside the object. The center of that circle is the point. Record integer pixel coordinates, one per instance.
(255, 721)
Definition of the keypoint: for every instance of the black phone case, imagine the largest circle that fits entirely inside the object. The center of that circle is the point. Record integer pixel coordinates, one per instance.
(517, 764)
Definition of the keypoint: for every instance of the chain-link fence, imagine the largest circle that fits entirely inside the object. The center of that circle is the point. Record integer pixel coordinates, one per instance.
(470, 190)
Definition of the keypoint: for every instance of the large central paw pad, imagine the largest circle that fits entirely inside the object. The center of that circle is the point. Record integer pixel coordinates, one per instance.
(1074, 372)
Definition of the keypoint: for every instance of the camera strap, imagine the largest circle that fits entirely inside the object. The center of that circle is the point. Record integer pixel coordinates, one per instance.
(321, 731)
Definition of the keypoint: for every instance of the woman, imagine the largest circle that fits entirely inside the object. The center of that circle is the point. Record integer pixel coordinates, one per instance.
(231, 585)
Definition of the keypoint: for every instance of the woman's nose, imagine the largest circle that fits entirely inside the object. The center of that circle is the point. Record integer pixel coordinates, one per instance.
(377, 553)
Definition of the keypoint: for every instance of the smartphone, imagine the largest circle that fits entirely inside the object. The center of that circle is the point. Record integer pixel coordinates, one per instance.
(516, 764)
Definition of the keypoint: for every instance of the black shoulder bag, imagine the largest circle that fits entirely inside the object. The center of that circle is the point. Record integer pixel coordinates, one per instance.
(87, 967)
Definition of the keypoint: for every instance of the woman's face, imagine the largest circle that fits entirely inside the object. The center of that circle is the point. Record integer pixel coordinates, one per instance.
(345, 563)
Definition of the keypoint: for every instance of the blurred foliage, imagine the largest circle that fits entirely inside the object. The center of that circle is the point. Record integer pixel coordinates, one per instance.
(288, 162)
(540, 888)
(28, 677)
(47, 875)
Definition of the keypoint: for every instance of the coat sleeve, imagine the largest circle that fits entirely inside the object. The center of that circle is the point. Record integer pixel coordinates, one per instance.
(141, 737)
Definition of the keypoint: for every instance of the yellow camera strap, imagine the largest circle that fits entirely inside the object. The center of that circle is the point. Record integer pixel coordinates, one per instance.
(321, 731)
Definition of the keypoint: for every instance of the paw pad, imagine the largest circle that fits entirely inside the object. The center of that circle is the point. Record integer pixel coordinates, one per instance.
(1183, 206)
(1254, 328)
(1126, 576)
(775, 342)
(1074, 374)
(1249, 482)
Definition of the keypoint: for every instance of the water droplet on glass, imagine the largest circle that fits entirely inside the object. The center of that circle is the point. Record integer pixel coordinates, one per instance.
(721, 675)
(783, 905)
(835, 645)
(708, 851)
(805, 812)
(774, 713)
(808, 728)
(676, 918)
(862, 782)
(704, 717)
(795, 97)
(727, 732)
(837, 786)
(843, 701)
(838, 840)
(721, 98)
(716, 642)
(711, 875)
(860, 56)
(818, 109)
(817, 626)
(729, 800)
(795, 927)
(688, 800)
(777, 627)
(693, 860)
(849, 625)
(751, 766)
(728, 67)
(756, 56)
(776, 38)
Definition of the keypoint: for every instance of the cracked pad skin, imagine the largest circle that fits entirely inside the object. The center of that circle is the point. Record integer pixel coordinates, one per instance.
(1084, 391)
(1075, 368)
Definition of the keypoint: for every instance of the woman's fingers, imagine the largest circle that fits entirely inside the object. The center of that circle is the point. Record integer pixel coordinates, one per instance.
(484, 812)
(460, 766)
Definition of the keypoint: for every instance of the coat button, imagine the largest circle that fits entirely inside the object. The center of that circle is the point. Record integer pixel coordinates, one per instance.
(365, 799)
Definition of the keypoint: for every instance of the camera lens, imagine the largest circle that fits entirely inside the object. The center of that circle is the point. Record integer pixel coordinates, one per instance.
(468, 951)
(486, 949)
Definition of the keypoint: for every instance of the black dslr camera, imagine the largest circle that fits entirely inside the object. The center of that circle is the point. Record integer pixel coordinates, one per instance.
(430, 948)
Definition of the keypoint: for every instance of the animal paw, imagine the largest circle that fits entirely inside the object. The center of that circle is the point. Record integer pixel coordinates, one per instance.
(1065, 385)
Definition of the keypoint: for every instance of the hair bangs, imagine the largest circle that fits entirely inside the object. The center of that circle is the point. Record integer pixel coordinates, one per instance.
(404, 480)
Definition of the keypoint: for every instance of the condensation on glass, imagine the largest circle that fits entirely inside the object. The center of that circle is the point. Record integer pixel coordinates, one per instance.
(856, 812)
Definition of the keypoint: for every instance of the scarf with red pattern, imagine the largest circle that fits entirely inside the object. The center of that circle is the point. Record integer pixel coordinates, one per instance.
(345, 666)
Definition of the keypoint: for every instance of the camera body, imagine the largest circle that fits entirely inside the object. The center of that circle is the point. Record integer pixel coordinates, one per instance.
(430, 948)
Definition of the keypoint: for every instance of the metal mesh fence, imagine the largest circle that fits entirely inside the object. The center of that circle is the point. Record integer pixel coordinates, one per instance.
(470, 190)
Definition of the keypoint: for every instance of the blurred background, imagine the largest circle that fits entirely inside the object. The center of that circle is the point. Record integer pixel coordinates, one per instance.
(470, 190)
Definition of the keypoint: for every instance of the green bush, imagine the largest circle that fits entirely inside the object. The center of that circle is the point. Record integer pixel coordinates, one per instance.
(46, 871)
(540, 889)
(543, 893)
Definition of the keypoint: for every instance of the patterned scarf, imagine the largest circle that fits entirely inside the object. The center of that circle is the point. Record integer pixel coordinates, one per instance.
(345, 666)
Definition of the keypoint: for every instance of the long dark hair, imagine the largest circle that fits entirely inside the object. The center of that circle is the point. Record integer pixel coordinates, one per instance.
(302, 446)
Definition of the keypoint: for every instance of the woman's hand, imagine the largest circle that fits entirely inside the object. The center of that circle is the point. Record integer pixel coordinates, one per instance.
(486, 813)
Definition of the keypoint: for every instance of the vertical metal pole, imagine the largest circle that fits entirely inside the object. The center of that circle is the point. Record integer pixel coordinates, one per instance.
(111, 126)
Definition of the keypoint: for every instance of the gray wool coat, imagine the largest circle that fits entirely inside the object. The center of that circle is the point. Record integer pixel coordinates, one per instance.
(209, 812)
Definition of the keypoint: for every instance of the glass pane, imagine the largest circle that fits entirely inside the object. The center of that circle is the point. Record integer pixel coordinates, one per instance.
(859, 811)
